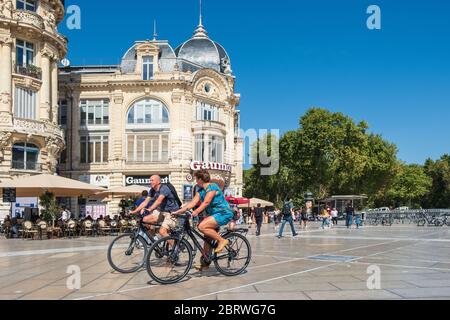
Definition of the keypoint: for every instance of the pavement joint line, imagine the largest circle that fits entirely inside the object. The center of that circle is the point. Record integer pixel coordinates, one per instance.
(50, 283)
(103, 247)
(401, 266)
(285, 276)
(263, 281)
(146, 287)
(312, 236)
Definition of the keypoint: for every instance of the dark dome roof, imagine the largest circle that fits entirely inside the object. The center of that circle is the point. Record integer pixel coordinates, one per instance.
(203, 51)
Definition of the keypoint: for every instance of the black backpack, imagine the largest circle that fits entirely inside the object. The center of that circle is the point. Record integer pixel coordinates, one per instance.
(174, 193)
(286, 209)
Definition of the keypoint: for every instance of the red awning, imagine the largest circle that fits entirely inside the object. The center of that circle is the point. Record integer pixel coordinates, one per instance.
(234, 200)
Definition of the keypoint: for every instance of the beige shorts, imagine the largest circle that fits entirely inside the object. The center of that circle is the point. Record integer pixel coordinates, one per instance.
(165, 219)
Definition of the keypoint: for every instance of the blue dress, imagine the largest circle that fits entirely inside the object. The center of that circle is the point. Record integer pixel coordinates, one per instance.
(219, 208)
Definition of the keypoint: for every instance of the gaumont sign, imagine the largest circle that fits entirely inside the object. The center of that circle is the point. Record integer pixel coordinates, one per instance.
(198, 165)
(143, 180)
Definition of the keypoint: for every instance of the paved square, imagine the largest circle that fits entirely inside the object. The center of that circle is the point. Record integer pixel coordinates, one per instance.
(319, 264)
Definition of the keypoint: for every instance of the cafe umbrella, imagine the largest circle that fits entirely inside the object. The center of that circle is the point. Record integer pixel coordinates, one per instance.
(34, 186)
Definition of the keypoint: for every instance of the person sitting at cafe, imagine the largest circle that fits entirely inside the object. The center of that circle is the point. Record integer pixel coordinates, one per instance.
(65, 214)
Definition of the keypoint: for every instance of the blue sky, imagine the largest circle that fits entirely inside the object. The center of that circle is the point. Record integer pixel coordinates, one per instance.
(291, 55)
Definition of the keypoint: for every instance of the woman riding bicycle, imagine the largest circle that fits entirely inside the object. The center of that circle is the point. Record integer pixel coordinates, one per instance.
(213, 203)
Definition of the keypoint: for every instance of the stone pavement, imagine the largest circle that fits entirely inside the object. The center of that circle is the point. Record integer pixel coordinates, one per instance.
(319, 264)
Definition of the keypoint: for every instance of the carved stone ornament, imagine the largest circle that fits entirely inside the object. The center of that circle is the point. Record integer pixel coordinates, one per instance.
(118, 99)
(49, 19)
(5, 138)
(5, 98)
(6, 8)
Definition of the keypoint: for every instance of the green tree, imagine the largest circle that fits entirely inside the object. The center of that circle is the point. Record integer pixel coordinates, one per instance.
(50, 207)
(328, 154)
(410, 185)
(439, 172)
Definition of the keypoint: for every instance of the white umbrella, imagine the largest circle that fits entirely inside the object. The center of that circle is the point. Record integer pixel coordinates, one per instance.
(34, 186)
(123, 191)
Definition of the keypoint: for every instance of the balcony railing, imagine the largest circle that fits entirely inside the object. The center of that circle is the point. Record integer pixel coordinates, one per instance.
(30, 71)
(26, 165)
(28, 17)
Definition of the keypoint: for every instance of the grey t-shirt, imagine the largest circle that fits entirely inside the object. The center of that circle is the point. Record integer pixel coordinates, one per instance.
(169, 203)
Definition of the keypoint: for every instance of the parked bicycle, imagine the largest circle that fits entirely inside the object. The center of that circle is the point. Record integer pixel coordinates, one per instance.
(127, 252)
(178, 254)
(429, 220)
(383, 219)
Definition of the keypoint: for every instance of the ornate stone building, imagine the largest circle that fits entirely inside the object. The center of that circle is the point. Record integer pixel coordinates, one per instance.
(30, 50)
(161, 111)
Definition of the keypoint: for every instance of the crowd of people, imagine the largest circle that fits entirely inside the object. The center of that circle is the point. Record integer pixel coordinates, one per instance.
(328, 216)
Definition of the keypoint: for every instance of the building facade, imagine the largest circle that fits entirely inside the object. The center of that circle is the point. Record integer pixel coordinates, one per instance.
(30, 50)
(161, 111)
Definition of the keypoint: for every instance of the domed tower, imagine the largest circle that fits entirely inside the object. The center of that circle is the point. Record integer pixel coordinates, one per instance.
(202, 52)
(30, 49)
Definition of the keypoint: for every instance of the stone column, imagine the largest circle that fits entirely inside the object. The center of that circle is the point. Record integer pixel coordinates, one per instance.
(45, 89)
(5, 75)
(54, 93)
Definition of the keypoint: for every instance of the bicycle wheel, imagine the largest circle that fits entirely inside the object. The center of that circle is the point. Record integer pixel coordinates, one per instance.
(126, 253)
(438, 223)
(169, 260)
(421, 222)
(236, 256)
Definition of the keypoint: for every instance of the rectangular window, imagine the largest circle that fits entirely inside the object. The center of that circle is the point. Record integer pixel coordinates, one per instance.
(25, 104)
(24, 53)
(83, 149)
(148, 148)
(207, 112)
(209, 148)
(147, 68)
(29, 5)
(62, 112)
(94, 149)
(94, 112)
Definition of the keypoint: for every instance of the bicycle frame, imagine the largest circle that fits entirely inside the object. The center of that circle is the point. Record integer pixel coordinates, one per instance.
(194, 234)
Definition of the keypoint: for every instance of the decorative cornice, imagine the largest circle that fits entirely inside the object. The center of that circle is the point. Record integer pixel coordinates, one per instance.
(27, 82)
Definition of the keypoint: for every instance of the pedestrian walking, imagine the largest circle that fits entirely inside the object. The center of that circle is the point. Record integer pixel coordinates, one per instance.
(349, 212)
(258, 216)
(334, 216)
(288, 217)
(277, 217)
(303, 218)
(325, 219)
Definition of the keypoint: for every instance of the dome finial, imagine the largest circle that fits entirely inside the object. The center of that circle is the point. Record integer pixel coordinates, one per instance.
(155, 35)
(200, 31)
(200, 20)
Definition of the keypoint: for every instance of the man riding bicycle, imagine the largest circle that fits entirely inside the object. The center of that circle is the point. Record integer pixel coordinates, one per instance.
(160, 211)
(215, 206)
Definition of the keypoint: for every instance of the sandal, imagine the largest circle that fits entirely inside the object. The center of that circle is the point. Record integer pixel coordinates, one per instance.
(221, 246)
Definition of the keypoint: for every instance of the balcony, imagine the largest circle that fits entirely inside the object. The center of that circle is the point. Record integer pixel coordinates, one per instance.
(202, 125)
(26, 166)
(39, 128)
(29, 18)
(29, 71)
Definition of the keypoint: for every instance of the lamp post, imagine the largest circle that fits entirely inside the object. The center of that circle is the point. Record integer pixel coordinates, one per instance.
(309, 199)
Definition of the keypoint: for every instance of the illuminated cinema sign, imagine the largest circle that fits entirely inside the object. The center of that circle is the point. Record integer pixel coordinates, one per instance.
(198, 165)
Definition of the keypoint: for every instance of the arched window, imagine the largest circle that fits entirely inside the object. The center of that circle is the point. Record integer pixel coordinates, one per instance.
(148, 112)
(148, 132)
(25, 156)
